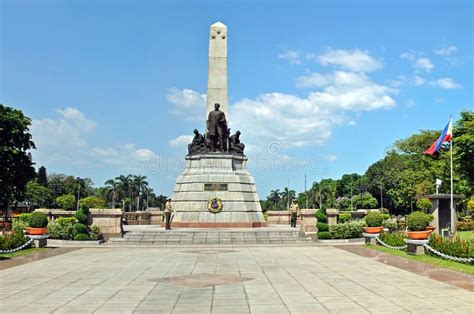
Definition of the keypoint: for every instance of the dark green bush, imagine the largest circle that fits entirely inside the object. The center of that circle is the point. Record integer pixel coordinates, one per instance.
(465, 226)
(321, 215)
(62, 228)
(344, 217)
(38, 220)
(348, 230)
(322, 226)
(455, 247)
(374, 219)
(81, 217)
(393, 238)
(80, 228)
(418, 221)
(81, 237)
(12, 240)
(323, 235)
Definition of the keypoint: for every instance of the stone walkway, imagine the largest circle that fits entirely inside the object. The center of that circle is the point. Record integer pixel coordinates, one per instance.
(222, 280)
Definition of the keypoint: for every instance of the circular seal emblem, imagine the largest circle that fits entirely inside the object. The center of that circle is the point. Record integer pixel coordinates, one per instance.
(214, 205)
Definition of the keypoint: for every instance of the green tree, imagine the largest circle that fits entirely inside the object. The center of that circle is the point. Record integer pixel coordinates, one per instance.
(38, 195)
(92, 202)
(66, 202)
(42, 178)
(139, 184)
(463, 138)
(16, 166)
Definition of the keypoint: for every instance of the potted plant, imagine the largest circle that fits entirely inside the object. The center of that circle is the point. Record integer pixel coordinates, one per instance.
(374, 221)
(416, 224)
(38, 223)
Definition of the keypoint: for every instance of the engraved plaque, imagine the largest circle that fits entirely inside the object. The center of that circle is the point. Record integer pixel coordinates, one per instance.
(215, 186)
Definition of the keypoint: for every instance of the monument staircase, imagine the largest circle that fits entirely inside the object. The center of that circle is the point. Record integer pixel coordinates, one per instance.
(247, 236)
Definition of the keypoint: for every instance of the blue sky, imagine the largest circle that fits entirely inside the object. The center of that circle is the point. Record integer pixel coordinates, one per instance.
(318, 88)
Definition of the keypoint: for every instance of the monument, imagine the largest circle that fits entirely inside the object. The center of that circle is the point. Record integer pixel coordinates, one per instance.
(215, 189)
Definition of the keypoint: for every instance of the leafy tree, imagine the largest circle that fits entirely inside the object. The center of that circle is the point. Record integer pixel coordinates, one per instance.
(66, 202)
(365, 201)
(42, 178)
(38, 195)
(463, 138)
(16, 166)
(92, 202)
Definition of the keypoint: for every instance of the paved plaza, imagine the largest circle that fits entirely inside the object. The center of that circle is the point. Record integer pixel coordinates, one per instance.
(212, 279)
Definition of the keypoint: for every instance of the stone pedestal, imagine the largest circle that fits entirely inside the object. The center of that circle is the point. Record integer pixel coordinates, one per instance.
(370, 238)
(216, 175)
(416, 247)
(40, 240)
(332, 215)
(308, 222)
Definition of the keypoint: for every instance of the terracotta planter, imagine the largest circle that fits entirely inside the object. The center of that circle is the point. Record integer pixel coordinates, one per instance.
(373, 230)
(37, 231)
(418, 235)
(430, 228)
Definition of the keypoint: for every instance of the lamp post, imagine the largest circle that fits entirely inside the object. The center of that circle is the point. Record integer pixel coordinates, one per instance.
(78, 192)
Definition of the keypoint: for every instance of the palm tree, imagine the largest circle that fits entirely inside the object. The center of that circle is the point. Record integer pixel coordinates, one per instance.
(275, 197)
(112, 190)
(139, 185)
(124, 187)
(287, 196)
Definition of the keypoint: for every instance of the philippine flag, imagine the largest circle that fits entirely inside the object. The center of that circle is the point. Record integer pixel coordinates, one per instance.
(446, 136)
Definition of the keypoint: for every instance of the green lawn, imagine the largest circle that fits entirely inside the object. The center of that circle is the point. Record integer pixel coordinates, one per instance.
(466, 235)
(465, 268)
(22, 252)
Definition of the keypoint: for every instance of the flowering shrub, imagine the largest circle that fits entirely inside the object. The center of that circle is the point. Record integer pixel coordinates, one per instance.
(348, 230)
(344, 217)
(62, 228)
(455, 247)
(393, 238)
(465, 226)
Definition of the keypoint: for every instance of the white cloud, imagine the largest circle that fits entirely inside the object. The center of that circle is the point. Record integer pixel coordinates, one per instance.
(410, 103)
(446, 51)
(330, 157)
(187, 103)
(418, 80)
(347, 91)
(65, 141)
(70, 128)
(353, 60)
(423, 64)
(446, 83)
(292, 56)
(418, 63)
(180, 141)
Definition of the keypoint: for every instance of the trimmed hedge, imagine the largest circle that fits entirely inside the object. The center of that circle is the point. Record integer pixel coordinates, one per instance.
(81, 217)
(324, 235)
(80, 228)
(322, 226)
(321, 215)
(81, 237)
(348, 230)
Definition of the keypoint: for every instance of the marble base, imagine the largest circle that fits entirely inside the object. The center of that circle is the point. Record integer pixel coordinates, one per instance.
(241, 204)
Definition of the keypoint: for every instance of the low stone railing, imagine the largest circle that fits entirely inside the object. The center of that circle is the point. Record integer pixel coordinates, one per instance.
(108, 220)
(143, 217)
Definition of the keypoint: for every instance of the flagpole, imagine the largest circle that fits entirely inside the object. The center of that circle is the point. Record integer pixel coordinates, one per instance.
(453, 228)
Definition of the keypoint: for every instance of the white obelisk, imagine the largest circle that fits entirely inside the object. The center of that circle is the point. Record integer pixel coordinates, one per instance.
(217, 69)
